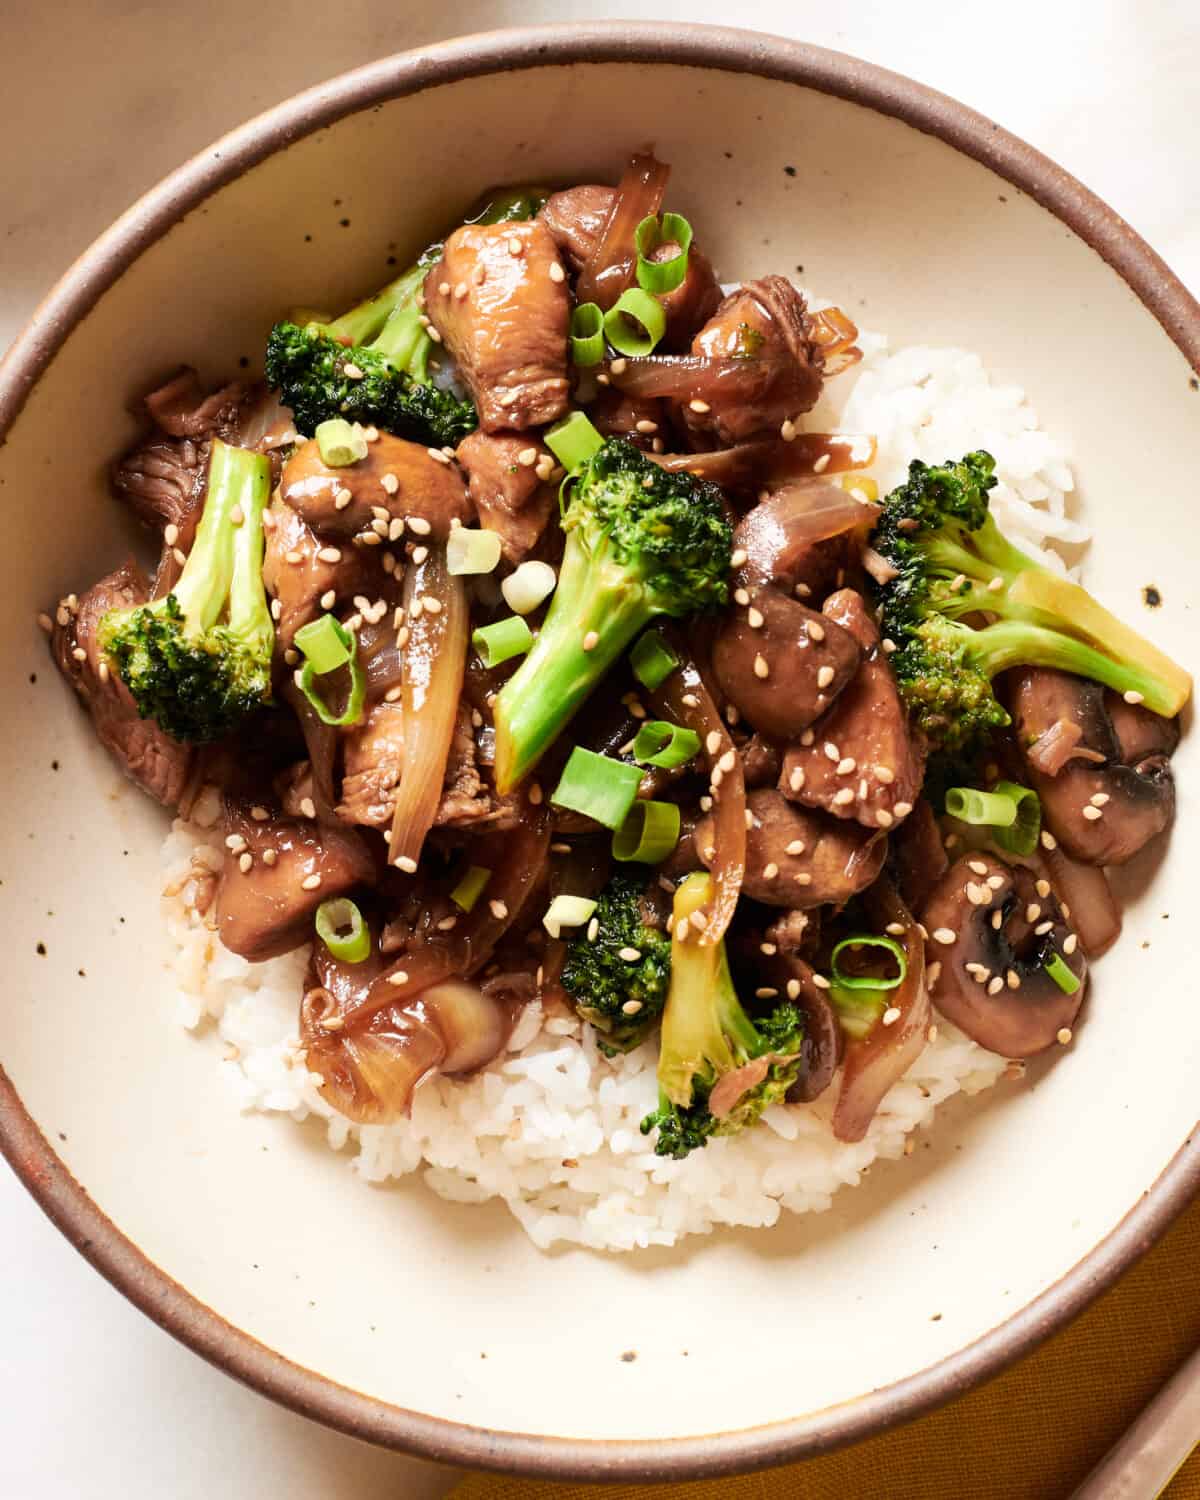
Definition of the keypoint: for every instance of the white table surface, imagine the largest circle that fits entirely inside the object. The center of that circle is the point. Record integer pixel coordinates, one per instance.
(100, 98)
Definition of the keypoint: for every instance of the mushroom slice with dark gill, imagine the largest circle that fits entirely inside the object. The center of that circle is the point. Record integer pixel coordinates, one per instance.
(1116, 792)
(992, 933)
(508, 477)
(497, 297)
(860, 760)
(277, 871)
(395, 483)
(157, 763)
(799, 858)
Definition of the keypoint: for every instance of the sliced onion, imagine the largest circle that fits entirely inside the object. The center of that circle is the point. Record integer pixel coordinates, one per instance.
(771, 461)
(610, 268)
(472, 1025)
(1052, 749)
(435, 657)
(874, 1064)
(684, 699)
(777, 534)
(321, 741)
(1085, 891)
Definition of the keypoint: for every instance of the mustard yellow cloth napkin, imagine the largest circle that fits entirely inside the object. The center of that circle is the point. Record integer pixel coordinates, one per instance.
(1030, 1434)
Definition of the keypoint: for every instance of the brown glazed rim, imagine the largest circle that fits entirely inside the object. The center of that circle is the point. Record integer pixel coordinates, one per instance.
(31, 1155)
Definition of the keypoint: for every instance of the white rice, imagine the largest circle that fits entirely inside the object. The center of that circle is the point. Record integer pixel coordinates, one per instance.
(551, 1127)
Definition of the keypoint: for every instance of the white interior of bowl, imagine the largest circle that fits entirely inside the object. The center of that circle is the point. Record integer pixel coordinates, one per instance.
(449, 1310)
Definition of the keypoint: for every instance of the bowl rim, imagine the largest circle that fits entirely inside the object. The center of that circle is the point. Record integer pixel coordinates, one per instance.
(28, 1151)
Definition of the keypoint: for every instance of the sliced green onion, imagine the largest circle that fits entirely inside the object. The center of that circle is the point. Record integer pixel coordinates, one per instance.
(868, 981)
(658, 743)
(652, 660)
(501, 641)
(469, 550)
(662, 275)
(587, 334)
(573, 441)
(598, 787)
(567, 911)
(527, 585)
(858, 1011)
(340, 442)
(648, 834)
(1021, 836)
(470, 887)
(1012, 812)
(635, 310)
(333, 918)
(326, 643)
(1061, 974)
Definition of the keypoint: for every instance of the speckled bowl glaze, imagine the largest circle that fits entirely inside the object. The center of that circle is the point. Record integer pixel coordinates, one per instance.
(435, 1327)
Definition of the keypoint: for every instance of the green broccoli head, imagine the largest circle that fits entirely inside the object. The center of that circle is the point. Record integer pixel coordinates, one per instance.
(707, 1036)
(950, 563)
(665, 532)
(199, 660)
(621, 999)
(640, 542)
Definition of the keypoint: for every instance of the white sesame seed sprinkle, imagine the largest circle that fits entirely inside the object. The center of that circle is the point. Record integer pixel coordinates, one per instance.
(816, 630)
(591, 640)
(418, 524)
(995, 881)
(1070, 943)
(844, 798)
(498, 910)
(310, 882)
(797, 779)
(557, 275)
(1064, 1037)
(902, 809)
(995, 985)
(270, 856)
(761, 669)
(1134, 697)
(696, 405)
(977, 866)
(1098, 799)
(1043, 928)
(825, 676)
(820, 981)
(351, 371)
(770, 870)
(406, 863)
(1048, 840)
(755, 619)
(944, 935)
(1093, 814)
(847, 765)
(330, 554)
(891, 1015)
(245, 862)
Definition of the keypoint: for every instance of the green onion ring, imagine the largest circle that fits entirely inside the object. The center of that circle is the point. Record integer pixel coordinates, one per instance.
(662, 276)
(635, 307)
(648, 834)
(347, 947)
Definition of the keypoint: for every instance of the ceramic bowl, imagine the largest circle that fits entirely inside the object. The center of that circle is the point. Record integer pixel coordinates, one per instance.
(439, 1328)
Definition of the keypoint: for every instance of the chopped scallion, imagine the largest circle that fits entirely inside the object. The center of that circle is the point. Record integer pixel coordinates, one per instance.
(635, 322)
(567, 911)
(648, 834)
(587, 334)
(340, 443)
(1012, 812)
(598, 787)
(573, 441)
(652, 660)
(325, 642)
(470, 887)
(341, 928)
(527, 585)
(868, 981)
(661, 276)
(469, 550)
(502, 640)
(658, 743)
(328, 645)
(1058, 970)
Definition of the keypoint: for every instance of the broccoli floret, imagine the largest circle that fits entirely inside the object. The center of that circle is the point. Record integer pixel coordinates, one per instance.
(706, 1035)
(603, 985)
(385, 340)
(199, 660)
(951, 561)
(640, 542)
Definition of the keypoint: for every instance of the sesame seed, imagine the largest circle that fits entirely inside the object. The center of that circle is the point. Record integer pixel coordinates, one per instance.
(245, 863)
(180, 556)
(591, 640)
(535, 794)
(934, 972)
(310, 882)
(1070, 943)
(816, 630)
(831, 751)
(846, 765)
(1133, 696)
(293, 558)
(820, 981)
(393, 695)
(1012, 979)
(1048, 840)
(1093, 814)
(399, 977)
(844, 797)
(761, 670)
(997, 920)
(308, 808)
(1065, 909)
(418, 524)
(402, 636)
(1032, 912)
(419, 554)
(795, 847)
(527, 457)
(825, 676)
(796, 779)
(371, 434)
(328, 599)
(102, 672)
(787, 430)
(706, 804)
(755, 619)
(884, 774)
(995, 881)
(891, 1015)
(944, 935)
(765, 992)
(1064, 1037)
(1043, 928)
(447, 923)
(406, 863)
(717, 777)
(342, 498)
(351, 371)
(699, 920)
(977, 895)
(802, 591)
(1098, 799)
(593, 928)
(79, 653)
(1043, 888)
(629, 955)
(270, 856)
(498, 910)
(631, 1007)
(737, 557)
(690, 700)
(740, 596)
(902, 809)
(808, 736)
(770, 870)
(235, 842)
(887, 645)
(802, 877)
(681, 930)
(769, 949)
(515, 244)
(259, 813)
(415, 608)
(557, 274)
(728, 761)
(443, 288)
(432, 606)
(978, 866)
(699, 406)
(712, 742)
(995, 985)
(237, 515)
(330, 554)
(793, 989)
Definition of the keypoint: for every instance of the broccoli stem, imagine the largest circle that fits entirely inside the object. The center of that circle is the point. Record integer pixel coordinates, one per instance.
(225, 563)
(249, 612)
(596, 597)
(366, 322)
(1016, 643)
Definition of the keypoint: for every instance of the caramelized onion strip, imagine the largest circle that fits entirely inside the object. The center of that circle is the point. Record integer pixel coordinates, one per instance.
(609, 270)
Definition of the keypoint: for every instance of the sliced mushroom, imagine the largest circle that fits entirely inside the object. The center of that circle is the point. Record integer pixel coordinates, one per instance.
(919, 855)
(1105, 806)
(798, 858)
(395, 480)
(993, 934)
